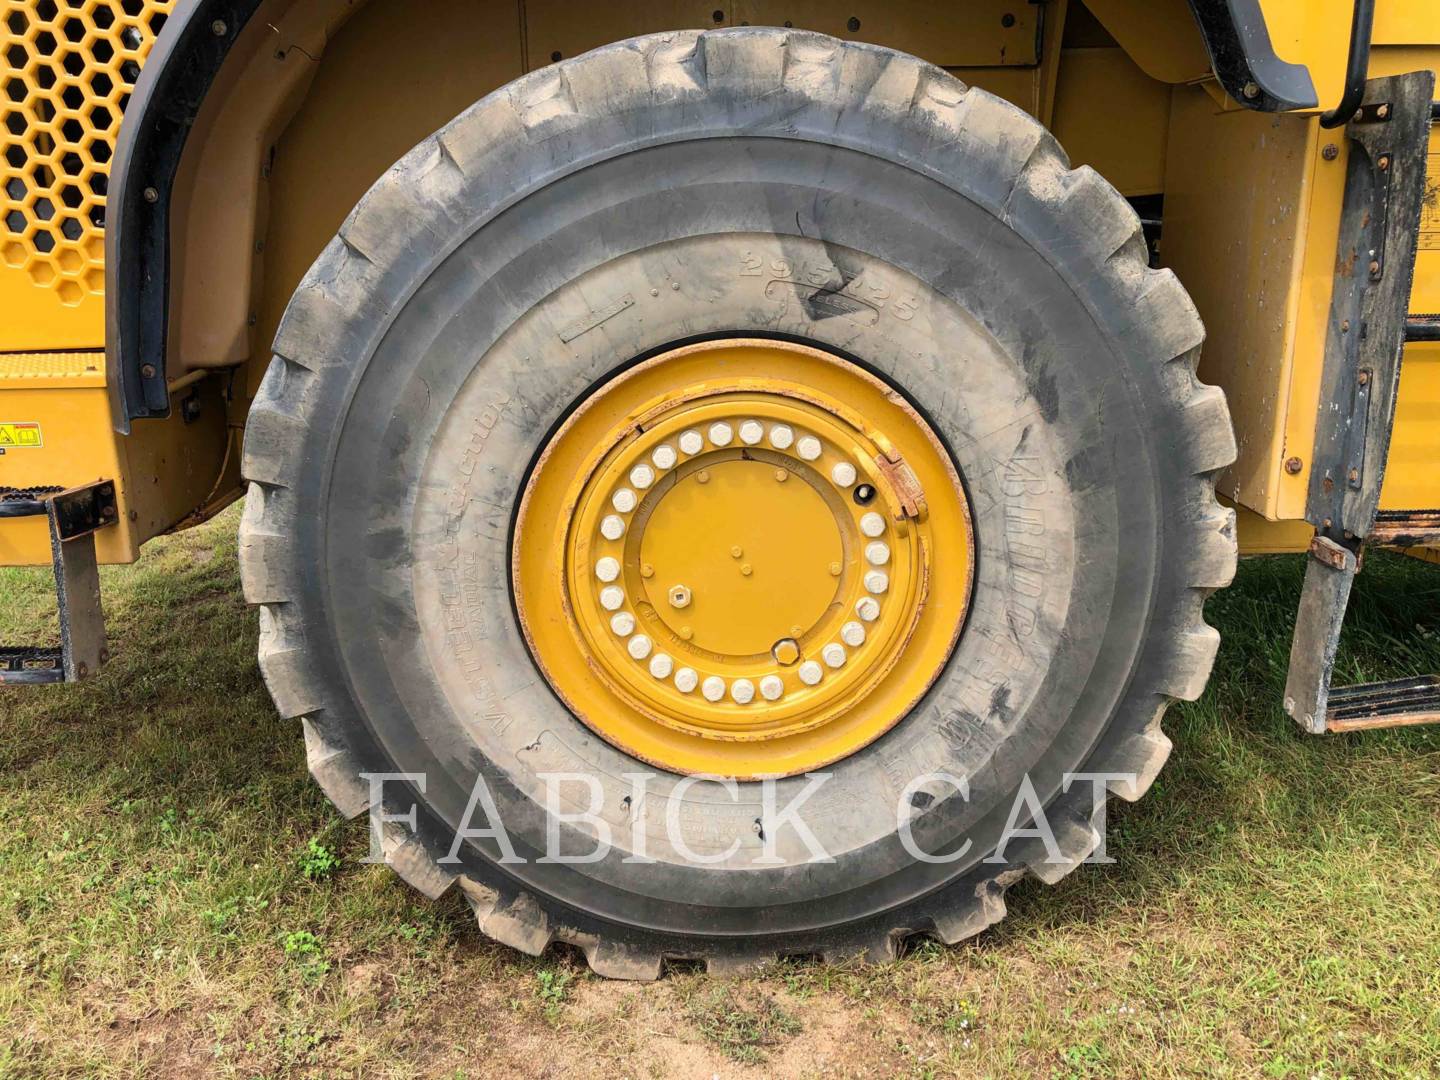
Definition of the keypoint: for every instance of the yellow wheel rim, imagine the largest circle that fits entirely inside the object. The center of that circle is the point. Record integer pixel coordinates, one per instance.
(742, 558)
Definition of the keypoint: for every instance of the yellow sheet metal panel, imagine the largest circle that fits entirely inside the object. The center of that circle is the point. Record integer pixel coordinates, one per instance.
(1241, 229)
(60, 401)
(55, 431)
(1412, 473)
(68, 72)
(388, 81)
(1113, 117)
(1160, 36)
(980, 33)
(1316, 33)
(1259, 536)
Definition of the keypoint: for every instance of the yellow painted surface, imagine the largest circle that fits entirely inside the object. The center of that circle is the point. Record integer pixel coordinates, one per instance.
(1238, 232)
(1316, 33)
(387, 82)
(1128, 151)
(1259, 536)
(685, 532)
(65, 397)
(164, 471)
(1159, 35)
(68, 70)
(1412, 476)
(1251, 227)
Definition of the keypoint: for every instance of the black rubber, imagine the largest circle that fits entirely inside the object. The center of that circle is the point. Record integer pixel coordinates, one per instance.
(687, 185)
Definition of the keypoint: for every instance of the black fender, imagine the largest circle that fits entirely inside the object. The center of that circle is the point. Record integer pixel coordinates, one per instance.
(172, 86)
(1243, 59)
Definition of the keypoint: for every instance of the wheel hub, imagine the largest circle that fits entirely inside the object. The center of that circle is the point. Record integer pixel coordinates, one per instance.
(725, 558)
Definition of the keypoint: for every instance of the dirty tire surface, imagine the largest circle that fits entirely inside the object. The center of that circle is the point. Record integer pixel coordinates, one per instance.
(744, 182)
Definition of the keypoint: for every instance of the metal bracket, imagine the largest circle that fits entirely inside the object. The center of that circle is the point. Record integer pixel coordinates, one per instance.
(75, 516)
(1375, 264)
(1329, 573)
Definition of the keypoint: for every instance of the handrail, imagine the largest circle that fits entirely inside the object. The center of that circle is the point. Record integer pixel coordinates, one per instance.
(1357, 66)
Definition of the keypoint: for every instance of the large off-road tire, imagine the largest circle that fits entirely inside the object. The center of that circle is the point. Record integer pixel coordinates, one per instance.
(606, 209)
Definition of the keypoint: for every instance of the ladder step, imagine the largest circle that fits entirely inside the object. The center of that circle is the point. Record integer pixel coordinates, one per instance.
(31, 664)
(1392, 703)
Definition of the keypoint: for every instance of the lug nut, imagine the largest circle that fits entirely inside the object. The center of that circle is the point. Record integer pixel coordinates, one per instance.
(679, 596)
(785, 651)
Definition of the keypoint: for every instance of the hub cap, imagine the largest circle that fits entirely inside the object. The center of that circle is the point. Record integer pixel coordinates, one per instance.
(742, 558)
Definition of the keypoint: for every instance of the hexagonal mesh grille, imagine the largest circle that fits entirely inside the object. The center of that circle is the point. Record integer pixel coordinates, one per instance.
(69, 68)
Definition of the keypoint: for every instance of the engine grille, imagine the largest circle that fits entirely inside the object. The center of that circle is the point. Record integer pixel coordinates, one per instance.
(70, 66)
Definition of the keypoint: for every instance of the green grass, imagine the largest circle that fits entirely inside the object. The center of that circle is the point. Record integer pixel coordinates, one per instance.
(177, 899)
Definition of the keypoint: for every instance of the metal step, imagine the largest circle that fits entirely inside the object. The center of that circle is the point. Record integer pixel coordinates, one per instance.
(1406, 528)
(75, 516)
(31, 664)
(1393, 703)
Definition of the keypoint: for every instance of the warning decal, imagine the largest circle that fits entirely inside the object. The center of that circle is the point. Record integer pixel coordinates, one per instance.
(1430, 207)
(25, 434)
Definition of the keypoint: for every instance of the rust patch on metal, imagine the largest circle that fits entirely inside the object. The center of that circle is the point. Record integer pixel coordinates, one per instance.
(1370, 723)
